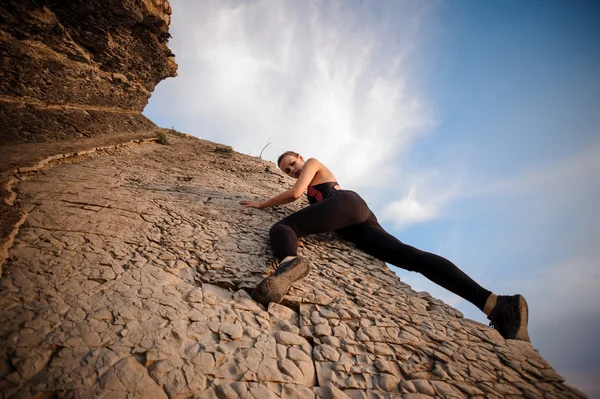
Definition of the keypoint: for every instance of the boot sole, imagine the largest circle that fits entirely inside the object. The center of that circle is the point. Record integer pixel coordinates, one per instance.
(274, 288)
(522, 333)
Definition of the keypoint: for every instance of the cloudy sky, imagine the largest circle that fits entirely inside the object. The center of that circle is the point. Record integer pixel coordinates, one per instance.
(471, 128)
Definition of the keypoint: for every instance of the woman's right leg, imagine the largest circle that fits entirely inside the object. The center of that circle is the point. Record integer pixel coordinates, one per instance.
(341, 209)
(507, 313)
(374, 240)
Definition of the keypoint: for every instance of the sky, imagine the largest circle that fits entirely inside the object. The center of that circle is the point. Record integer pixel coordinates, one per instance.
(472, 129)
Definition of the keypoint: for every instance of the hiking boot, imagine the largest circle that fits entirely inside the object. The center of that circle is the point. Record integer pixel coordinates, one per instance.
(274, 287)
(509, 317)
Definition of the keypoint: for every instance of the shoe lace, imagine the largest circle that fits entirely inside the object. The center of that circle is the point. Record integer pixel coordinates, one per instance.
(282, 266)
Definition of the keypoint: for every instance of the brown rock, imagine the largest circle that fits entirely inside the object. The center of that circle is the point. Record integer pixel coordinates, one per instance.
(326, 353)
(128, 376)
(235, 331)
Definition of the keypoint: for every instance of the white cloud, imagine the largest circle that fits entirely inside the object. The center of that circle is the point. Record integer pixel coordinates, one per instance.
(410, 210)
(574, 283)
(330, 80)
(558, 180)
(425, 196)
(543, 191)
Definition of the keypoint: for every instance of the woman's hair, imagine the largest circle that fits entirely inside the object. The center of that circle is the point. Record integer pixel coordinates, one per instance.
(285, 154)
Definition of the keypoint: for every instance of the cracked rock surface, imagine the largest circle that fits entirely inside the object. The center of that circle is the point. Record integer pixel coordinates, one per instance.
(130, 278)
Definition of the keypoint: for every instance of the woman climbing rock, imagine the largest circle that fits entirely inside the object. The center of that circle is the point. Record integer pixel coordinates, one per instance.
(344, 211)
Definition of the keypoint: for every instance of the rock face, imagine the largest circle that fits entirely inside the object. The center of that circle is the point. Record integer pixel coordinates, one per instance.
(80, 68)
(130, 277)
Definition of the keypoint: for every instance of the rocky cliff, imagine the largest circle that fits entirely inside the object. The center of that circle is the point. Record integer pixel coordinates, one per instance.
(128, 263)
(130, 277)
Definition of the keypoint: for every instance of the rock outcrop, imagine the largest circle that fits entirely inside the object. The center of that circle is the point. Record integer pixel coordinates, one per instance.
(128, 264)
(75, 75)
(75, 69)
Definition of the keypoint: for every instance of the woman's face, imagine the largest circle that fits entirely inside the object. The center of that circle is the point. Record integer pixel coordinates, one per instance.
(292, 165)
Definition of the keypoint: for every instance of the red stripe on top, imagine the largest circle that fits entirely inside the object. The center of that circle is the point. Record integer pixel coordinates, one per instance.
(316, 194)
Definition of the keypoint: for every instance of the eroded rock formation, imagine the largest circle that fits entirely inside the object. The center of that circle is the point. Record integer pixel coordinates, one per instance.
(129, 276)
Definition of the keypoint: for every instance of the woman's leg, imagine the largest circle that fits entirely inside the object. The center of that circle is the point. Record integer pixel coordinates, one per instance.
(341, 209)
(374, 240)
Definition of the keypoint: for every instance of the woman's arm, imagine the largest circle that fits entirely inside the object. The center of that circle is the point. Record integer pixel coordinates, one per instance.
(283, 198)
(310, 169)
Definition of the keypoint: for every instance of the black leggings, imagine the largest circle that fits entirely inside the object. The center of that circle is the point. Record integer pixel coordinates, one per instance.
(347, 213)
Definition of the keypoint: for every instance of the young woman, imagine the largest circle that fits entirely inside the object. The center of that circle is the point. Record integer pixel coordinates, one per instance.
(344, 211)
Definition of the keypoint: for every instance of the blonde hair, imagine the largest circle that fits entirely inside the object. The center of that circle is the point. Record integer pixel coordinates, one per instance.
(285, 154)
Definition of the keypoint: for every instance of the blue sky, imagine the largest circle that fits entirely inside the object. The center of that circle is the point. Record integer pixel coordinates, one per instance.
(471, 128)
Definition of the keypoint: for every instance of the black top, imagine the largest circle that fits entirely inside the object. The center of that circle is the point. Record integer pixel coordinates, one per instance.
(321, 191)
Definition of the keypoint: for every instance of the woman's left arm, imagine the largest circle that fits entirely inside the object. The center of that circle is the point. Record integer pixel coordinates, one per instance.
(310, 169)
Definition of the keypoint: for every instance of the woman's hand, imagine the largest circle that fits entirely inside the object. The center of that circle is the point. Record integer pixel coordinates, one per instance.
(252, 204)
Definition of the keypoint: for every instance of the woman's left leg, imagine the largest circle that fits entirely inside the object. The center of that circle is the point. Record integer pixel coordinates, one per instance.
(344, 208)
(374, 240)
(339, 210)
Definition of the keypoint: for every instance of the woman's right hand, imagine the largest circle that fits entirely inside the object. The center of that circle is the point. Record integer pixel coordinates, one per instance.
(251, 204)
